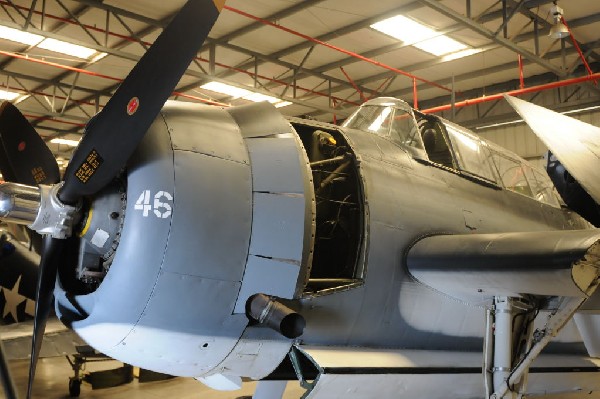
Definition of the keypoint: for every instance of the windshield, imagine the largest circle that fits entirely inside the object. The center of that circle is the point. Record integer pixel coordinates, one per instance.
(371, 118)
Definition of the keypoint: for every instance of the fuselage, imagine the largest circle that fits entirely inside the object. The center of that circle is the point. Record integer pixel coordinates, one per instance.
(222, 204)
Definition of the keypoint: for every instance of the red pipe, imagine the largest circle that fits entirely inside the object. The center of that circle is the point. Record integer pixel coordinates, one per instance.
(587, 66)
(362, 95)
(339, 49)
(54, 64)
(518, 92)
(378, 90)
(134, 40)
(415, 98)
(521, 79)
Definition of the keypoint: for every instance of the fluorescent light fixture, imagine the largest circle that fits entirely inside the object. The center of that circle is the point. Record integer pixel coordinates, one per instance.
(571, 112)
(440, 45)
(405, 29)
(499, 124)
(19, 36)
(415, 34)
(8, 95)
(67, 48)
(31, 39)
(580, 110)
(223, 88)
(71, 143)
(258, 97)
(237, 92)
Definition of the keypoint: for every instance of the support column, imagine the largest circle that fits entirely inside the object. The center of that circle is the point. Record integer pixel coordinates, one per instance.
(502, 341)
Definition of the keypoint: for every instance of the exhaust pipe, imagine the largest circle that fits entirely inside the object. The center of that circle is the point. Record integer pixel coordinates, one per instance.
(269, 311)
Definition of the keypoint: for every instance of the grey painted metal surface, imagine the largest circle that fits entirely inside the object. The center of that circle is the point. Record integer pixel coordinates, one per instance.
(155, 254)
(241, 221)
(477, 267)
(368, 373)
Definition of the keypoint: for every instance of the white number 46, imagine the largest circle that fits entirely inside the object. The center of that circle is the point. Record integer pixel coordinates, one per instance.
(161, 207)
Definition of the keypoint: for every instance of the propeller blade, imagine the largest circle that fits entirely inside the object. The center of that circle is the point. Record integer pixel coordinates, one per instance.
(25, 158)
(51, 257)
(113, 134)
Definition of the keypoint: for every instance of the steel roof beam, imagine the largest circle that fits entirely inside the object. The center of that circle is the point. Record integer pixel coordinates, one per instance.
(485, 32)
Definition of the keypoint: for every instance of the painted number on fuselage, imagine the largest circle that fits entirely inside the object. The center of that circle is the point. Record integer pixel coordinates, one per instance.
(161, 207)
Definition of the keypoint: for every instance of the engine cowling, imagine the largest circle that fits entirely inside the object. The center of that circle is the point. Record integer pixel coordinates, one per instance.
(209, 195)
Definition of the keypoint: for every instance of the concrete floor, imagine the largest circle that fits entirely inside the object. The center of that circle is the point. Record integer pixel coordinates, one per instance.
(53, 374)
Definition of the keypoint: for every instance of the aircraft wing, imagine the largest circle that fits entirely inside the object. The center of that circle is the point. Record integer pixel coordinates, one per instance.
(58, 339)
(477, 267)
(576, 144)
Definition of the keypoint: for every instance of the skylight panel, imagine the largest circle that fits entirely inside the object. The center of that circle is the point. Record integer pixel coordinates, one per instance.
(415, 34)
(282, 104)
(8, 95)
(73, 50)
(440, 45)
(405, 29)
(58, 46)
(237, 92)
(15, 35)
(70, 143)
(223, 88)
(258, 97)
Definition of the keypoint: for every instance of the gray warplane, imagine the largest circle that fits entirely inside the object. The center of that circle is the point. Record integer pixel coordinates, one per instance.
(397, 256)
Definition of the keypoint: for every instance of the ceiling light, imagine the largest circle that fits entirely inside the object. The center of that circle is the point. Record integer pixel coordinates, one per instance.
(58, 46)
(8, 95)
(67, 48)
(558, 30)
(413, 33)
(258, 97)
(237, 92)
(440, 45)
(19, 36)
(223, 88)
(71, 143)
(405, 29)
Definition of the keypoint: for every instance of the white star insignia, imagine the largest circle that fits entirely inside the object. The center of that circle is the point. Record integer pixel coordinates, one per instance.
(12, 299)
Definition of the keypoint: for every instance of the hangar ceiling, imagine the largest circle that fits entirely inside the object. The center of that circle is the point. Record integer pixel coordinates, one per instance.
(315, 57)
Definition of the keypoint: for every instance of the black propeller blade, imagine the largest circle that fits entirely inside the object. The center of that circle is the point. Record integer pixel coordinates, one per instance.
(24, 157)
(113, 134)
(51, 257)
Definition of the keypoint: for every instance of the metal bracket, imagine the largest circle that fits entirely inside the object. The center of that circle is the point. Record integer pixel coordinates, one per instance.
(298, 370)
(541, 337)
(54, 217)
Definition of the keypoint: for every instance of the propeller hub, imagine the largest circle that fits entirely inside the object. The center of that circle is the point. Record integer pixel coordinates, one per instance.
(54, 217)
(19, 203)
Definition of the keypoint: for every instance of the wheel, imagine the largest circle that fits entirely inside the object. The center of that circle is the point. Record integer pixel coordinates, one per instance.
(74, 388)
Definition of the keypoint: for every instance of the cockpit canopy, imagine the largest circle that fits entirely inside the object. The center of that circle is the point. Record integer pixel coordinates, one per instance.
(390, 118)
(441, 143)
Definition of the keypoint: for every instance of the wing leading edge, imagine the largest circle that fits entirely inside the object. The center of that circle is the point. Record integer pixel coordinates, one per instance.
(477, 267)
